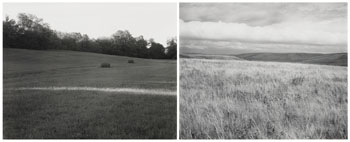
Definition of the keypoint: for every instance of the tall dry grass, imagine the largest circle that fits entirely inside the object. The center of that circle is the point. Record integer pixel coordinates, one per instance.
(258, 100)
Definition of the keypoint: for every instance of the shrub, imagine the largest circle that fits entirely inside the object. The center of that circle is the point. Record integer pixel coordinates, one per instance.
(105, 65)
(131, 61)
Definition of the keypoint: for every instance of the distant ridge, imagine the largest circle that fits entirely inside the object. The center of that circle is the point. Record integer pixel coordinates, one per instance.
(338, 59)
(209, 56)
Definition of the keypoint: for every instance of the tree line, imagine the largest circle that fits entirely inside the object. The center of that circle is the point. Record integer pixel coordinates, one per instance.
(31, 32)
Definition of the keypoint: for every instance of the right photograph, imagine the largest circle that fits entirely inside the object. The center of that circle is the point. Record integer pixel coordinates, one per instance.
(263, 71)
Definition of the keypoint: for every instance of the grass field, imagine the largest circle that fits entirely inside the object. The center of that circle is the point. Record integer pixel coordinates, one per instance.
(86, 113)
(222, 99)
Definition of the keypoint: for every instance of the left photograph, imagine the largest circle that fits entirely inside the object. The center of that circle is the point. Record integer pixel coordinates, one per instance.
(89, 70)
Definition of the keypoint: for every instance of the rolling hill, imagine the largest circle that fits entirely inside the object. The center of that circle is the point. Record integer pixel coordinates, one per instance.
(209, 56)
(339, 59)
(36, 105)
(73, 68)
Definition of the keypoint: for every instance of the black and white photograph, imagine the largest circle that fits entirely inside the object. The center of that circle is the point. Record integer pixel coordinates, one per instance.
(89, 70)
(263, 71)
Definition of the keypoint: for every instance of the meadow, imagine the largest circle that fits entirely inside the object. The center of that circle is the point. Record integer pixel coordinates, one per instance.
(237, 99)
(88, 112)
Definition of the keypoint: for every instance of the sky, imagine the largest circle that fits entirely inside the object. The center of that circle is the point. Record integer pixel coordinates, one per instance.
(234, 28)
(152, 20)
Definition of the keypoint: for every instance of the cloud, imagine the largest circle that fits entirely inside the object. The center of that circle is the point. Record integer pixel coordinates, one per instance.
(264, 27)
(260, 14)
(331, 32)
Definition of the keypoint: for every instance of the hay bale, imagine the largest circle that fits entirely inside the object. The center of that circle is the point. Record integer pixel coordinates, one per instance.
(105, 65)
(131, 61)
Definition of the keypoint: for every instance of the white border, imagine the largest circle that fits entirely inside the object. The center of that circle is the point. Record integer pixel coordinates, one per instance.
(178, 43)
(178, 73)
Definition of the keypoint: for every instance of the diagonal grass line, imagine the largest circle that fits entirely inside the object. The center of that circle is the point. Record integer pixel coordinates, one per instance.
(118, 90)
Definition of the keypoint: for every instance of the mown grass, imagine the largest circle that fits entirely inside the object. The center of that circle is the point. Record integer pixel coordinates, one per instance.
(25, 68)
(86, 114)
(262, 100)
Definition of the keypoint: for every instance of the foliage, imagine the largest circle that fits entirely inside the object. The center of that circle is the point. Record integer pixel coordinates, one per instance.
(30, 32)
(156, 51)
(171, 51)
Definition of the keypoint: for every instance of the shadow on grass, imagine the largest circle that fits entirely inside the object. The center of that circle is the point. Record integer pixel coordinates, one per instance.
(90, 115)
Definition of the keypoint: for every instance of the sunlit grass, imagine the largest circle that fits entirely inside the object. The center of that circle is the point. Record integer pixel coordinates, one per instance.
(257, 100)
(139, 91)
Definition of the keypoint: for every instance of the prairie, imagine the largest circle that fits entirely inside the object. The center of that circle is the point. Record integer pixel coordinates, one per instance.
(66, 94)
(235, 99)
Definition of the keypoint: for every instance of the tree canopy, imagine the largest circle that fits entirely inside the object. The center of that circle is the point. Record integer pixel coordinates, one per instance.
(31, 32)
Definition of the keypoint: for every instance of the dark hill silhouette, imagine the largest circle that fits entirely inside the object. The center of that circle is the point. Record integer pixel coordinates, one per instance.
(338, 59)
(209, 56)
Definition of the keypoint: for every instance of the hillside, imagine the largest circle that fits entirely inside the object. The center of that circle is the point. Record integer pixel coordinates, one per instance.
(59, 67)
(208, 56)
(36, 104)
(339, 59)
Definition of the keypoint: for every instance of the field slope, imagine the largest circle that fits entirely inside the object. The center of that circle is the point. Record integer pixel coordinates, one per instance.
(65, 94)
(226, 99)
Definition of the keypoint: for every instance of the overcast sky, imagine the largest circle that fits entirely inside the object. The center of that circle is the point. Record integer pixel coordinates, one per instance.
(152, 20)
(263, 27)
